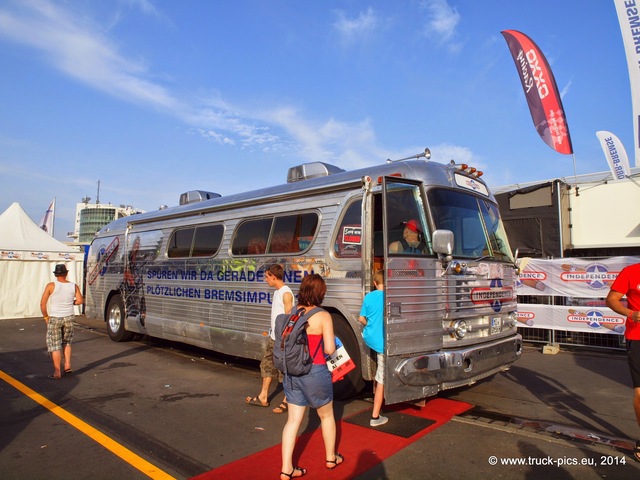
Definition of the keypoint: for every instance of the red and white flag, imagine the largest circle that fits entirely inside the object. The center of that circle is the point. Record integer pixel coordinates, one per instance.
(46, 223)
(541, 91)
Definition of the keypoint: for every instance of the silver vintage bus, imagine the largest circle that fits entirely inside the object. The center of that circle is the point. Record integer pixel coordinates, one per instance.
(194, 273)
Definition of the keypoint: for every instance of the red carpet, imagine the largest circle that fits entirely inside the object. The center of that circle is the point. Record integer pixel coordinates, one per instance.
(363, 448)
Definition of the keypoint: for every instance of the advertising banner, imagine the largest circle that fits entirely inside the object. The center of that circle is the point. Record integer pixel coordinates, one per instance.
(629, 18)
(540, 90)
(46, 223)
(616, 154)
(571, 319)
(584, 284)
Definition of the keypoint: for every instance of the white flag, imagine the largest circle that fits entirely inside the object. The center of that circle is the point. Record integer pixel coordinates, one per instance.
(629, 25)
(615, 153)
(46, 223)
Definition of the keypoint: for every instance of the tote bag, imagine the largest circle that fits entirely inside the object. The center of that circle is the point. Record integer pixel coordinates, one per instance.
(339, 362)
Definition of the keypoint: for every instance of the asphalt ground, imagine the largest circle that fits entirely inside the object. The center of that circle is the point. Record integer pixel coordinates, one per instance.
(152, 408)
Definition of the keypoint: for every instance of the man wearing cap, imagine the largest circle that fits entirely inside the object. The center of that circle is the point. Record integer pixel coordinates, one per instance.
(58, 299)
(411, 241)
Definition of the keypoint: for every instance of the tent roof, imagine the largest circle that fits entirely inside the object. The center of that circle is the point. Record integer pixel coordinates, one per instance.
(598, 177)
(19, 232)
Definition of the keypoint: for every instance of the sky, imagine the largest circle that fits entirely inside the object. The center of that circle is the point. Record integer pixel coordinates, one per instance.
(153, 98)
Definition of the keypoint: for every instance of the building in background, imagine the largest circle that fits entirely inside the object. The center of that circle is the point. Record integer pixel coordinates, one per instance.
(91, 217)
(550, 219)
(571, 243)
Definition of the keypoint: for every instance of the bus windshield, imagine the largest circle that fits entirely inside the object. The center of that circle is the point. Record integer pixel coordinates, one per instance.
(475, 222)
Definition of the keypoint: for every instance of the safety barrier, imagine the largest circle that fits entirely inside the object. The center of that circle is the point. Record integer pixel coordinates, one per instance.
(562, 302)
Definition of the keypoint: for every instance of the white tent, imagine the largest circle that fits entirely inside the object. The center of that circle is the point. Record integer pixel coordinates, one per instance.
(28, 256)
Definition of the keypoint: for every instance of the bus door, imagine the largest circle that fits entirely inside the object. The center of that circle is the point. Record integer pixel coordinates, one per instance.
(414, 303)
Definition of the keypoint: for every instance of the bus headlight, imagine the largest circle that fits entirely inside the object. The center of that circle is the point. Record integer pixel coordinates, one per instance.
(459, 329)
(513, 318)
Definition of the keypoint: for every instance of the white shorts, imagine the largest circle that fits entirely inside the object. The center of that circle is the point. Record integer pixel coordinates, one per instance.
(380, 369)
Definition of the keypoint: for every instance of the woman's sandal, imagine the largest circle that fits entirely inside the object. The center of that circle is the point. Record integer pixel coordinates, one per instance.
(335, 462)
(282, 408)
(636, 452)
(291, 475)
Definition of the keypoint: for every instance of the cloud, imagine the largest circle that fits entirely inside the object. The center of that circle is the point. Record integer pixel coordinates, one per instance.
(11, 142)
(350, 145)
(217, 137)
(361, 26)
(32, 174)
(74, 44)
(145, 6)
(565, 90)
(445, 152)
(77, 47)
(442, 23)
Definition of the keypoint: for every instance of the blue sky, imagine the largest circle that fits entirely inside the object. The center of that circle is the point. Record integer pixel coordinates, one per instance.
(154, 98)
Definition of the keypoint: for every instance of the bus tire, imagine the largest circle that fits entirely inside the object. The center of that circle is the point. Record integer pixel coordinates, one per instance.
(115, 320)
(353, 383)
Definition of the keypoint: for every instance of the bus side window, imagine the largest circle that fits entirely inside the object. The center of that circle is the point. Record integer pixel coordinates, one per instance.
(251, 237)
(283, 243)
(256, 246)
(180, 243)
(293, 233)
(348, 242)
(284, 238)
(207, 240)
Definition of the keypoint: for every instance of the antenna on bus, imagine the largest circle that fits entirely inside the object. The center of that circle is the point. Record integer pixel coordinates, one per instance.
(426, 154)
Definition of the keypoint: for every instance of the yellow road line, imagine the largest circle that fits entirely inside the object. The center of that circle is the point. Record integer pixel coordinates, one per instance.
(124, 453)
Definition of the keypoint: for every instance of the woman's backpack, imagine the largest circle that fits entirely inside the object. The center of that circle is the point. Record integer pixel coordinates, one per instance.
(291, 349)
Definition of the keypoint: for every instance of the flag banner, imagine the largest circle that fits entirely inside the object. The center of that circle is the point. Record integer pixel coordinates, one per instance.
(571, 277)
(584, 284)
(615, 153)
(581, 319)
(46, 223)
(629, 18)
(540, 90)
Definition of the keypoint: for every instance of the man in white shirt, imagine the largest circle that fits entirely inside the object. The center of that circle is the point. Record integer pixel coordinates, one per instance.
(282, 303)
(58, 299)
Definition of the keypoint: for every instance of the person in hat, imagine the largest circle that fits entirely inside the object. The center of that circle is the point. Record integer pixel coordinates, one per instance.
(412, 240)
(58, 300)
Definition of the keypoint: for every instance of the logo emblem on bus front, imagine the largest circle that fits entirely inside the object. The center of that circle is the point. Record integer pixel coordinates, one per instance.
(495, 295)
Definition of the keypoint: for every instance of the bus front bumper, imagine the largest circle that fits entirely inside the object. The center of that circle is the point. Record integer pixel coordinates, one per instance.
(455, 368)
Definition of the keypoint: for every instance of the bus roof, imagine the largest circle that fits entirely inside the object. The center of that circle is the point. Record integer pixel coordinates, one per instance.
(429, 172)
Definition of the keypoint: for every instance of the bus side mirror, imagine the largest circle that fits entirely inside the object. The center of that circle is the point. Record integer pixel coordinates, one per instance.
(443, 242)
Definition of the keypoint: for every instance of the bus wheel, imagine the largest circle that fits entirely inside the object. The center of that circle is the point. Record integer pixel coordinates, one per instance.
(115, 320)
(352, 384)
